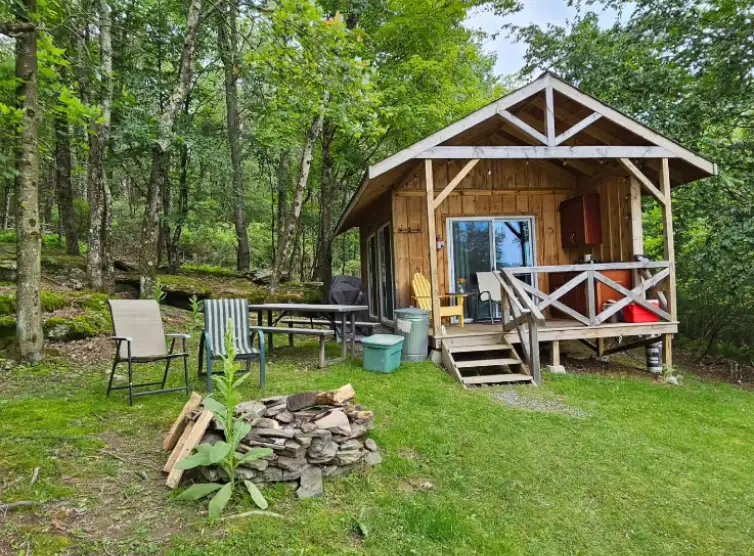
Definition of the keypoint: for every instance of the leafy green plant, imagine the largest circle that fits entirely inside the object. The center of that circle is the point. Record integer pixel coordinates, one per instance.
(668, 375)
(196, 312)
(223, 453)
(159, 291)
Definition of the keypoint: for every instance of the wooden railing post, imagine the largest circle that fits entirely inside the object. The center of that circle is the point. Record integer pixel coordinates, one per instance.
(434, 283)
(667, 221)
(591, 297)
(534, 365)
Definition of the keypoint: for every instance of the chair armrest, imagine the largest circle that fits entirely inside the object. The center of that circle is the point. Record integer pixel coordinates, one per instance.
(255, 330)
(122, 339)
(178, 335)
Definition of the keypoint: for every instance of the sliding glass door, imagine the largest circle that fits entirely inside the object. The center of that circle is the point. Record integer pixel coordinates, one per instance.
(485, 244)
(380, 274)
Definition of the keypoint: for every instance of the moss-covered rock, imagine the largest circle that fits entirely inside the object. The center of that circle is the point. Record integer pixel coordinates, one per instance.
(66, 329)
(53, 301)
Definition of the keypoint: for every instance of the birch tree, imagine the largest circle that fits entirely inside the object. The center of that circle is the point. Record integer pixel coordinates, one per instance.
(29, 332)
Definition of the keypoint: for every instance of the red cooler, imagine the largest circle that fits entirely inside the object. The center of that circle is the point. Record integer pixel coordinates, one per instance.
(637, 313)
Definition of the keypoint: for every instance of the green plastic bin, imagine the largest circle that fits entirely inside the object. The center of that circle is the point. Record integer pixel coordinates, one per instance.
(382, 352)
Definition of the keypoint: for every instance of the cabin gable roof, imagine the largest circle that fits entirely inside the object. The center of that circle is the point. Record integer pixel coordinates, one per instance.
(548, 120)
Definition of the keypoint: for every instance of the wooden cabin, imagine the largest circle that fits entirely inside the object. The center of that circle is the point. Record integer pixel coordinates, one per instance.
(544, 188)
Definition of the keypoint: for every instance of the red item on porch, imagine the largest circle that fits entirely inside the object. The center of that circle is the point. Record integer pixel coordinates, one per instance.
(637, 313)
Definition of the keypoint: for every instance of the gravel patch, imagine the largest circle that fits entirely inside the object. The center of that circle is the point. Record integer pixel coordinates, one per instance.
(513, 398)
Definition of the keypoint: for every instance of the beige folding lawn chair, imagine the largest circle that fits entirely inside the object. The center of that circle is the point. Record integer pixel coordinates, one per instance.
(140, 338)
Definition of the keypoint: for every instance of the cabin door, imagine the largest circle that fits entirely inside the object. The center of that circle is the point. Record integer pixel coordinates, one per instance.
(484, 244)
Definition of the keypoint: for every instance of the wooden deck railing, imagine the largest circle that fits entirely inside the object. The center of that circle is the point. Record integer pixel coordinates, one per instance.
(593, 273)
(521, 313)
(523, 304)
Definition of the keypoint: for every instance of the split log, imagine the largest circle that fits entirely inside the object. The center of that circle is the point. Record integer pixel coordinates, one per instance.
(176, 430)
(193, 438)
(334, 397)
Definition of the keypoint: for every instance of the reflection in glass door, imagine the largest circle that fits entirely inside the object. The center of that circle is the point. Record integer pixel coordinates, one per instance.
(513, 245)
(485, 244)
(386, 273)
(471, 251)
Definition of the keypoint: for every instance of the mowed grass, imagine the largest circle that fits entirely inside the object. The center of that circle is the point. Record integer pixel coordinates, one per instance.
(636, 468)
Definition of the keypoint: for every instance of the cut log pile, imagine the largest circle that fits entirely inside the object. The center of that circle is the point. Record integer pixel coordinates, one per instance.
(312, 435)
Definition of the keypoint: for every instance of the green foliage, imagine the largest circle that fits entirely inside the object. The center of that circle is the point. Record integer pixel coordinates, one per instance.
(159, 291)
(196, 313)
(50, 301)
(223, 453)
(691, 80)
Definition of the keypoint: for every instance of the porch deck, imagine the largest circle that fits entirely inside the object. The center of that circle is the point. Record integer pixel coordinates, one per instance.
(560, 329)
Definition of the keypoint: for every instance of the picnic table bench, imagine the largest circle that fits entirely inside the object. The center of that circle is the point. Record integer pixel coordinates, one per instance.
(330, 312)
(322, 333)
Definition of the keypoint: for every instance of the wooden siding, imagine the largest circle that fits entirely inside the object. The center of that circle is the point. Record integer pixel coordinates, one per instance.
(500, 188)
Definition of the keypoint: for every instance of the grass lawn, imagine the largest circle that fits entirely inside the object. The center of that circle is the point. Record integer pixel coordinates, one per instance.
(615, 465)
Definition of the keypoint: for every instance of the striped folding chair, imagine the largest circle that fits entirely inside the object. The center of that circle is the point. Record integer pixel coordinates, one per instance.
(140, 338)
(212, 345)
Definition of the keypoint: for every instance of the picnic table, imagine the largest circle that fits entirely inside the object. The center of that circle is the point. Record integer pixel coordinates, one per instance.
(347, 314)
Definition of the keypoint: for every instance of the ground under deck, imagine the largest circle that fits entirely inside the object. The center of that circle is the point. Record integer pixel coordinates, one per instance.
(562, 329)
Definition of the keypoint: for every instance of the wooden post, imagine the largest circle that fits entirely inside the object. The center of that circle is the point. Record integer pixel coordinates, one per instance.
(667, 224)
(534, 350)
(555, 353)
(591, 299)
(434, 283)
(505, 307)
(637, 231)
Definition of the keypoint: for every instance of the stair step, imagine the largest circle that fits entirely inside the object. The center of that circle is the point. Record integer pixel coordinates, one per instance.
(487, 363)
(482, 347)
(492, 379)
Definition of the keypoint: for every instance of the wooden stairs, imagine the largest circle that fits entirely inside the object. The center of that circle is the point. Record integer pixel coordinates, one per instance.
(483, 360)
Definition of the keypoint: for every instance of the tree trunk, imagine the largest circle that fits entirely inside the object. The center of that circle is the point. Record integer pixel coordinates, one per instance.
(291, 222)
(227, 42)
(282, 204)
(97, 187)
(63, 184)
(6, 204)
(166, 234)
(151, 224)
(174, 252)
(327, 197)
(28, 232)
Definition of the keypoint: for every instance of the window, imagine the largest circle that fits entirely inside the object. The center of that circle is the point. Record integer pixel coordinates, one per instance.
(386, 273)
(374, 310)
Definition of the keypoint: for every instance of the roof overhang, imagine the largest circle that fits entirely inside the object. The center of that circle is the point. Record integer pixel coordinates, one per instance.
(601, 133)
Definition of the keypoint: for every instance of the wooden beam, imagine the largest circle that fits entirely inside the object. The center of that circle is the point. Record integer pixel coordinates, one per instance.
(632, 125)
(434, 282)
(522, 125)
(644, 180)
(581, 166)
(667, 227)
(507, 137)
(545, 152)
(455, 128)
(550, 116)
(637, 230)
(455, 181)
(573, 130)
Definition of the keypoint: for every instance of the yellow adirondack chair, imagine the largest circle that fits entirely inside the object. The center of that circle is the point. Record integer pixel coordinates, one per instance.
(423, 299)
